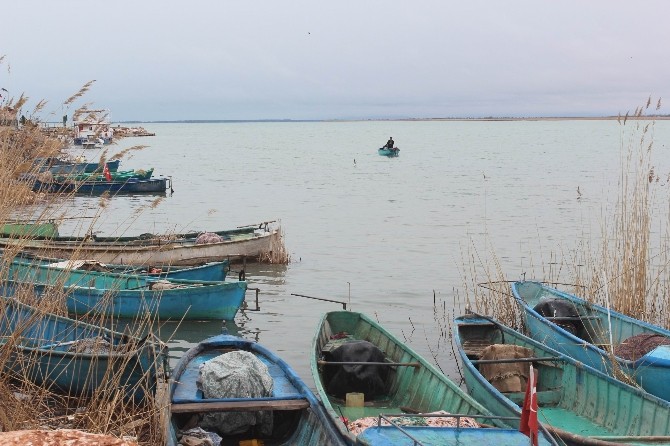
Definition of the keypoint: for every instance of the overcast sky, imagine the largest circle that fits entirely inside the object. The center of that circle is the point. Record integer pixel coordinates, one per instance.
(245, 59)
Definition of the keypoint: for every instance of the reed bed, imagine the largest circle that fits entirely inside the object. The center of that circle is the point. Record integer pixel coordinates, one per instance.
(26, 404)
(626, 269)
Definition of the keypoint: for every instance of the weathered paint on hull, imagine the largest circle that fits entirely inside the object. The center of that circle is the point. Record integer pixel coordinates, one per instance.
(131, 296)
(40, 352)
(424, 389)
(19, 229)
(581, 404)
(313, 425)
(170, 253)
(651, 371)
(390, 436)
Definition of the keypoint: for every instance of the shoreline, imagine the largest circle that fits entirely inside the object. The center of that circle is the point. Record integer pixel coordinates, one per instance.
(487, 119)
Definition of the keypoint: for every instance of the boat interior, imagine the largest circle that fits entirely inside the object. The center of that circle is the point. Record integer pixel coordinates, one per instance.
(288, 407)
(566, 409)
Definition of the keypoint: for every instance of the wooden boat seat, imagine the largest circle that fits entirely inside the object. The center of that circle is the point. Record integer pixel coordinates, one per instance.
(240, 405)
(571, 318)
(474, 347)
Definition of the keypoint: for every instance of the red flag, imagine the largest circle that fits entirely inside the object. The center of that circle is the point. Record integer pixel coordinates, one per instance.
(106, 173)
(528, 424)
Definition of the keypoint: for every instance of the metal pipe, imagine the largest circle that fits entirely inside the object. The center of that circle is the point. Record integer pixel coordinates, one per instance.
(344, 304)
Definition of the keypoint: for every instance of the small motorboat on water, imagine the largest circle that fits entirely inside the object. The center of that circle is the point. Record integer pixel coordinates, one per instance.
(389, 151)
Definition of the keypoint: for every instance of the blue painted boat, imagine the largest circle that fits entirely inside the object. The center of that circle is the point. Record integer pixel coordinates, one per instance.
(298, 417)
(74, 357)
(578, 404)
(412, 388)
(583, 334)
(128, 295)
(385, 151)
(211, 271)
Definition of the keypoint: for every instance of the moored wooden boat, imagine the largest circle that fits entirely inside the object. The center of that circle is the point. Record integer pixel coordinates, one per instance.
(74, 357)
(31, 229)
(62, 167)
(130, 296)
(244, 244)
(293, 414)
(211, 271)
(410, 386)
(579, 404)
(123, 186)
(580, 330)
(385, 151)
(124, 175)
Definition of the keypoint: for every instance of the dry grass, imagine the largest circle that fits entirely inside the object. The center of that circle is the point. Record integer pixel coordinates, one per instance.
(629, 262)
(27, 405)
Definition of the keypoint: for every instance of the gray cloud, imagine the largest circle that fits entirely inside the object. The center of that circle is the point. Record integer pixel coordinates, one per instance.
(164, 60)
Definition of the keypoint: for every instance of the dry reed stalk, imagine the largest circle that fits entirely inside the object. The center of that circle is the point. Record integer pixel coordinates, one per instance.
(278, 253)
(633, 257)
(105, 411)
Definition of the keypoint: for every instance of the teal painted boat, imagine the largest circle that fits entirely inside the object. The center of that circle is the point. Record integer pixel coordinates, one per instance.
(385, 151)
(124, 186)
(298, 417)
(63, 167)
(584, 330)
(579, 404)
(120, 175)
(66, 355)
(210, 271)
(130, 296)
(412, 387)
(29, 229)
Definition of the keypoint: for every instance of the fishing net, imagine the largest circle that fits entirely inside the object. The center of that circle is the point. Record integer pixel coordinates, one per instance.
(637, 346)
(237, 374)
(208, 237)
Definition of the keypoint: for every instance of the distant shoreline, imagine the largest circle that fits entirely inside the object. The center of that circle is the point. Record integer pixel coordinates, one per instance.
(488, 119)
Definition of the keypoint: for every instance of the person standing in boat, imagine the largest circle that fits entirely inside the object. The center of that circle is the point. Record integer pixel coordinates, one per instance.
(390, 143)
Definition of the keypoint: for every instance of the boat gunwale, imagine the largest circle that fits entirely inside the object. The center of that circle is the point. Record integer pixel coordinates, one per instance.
(473, 320)
(584, 343)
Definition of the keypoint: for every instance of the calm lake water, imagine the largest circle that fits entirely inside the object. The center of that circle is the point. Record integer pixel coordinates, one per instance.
(395, 237)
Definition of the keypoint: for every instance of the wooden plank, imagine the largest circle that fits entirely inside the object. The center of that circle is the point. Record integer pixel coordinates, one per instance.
(570, 318)
(239, 406)
(391, 364)
(511, 360)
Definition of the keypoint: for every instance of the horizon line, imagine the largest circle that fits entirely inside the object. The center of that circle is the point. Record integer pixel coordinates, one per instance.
(489, 118)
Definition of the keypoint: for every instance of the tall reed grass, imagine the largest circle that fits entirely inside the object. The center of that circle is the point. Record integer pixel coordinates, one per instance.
(631, 258)
(27, 404)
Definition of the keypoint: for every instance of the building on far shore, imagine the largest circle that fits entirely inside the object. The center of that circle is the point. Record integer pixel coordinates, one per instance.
(92, 125)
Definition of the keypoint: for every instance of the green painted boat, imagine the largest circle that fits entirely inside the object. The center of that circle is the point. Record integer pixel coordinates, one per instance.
(122, 175)
(27, 229)
(412, 386)
(586, 330)
(579, 404)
